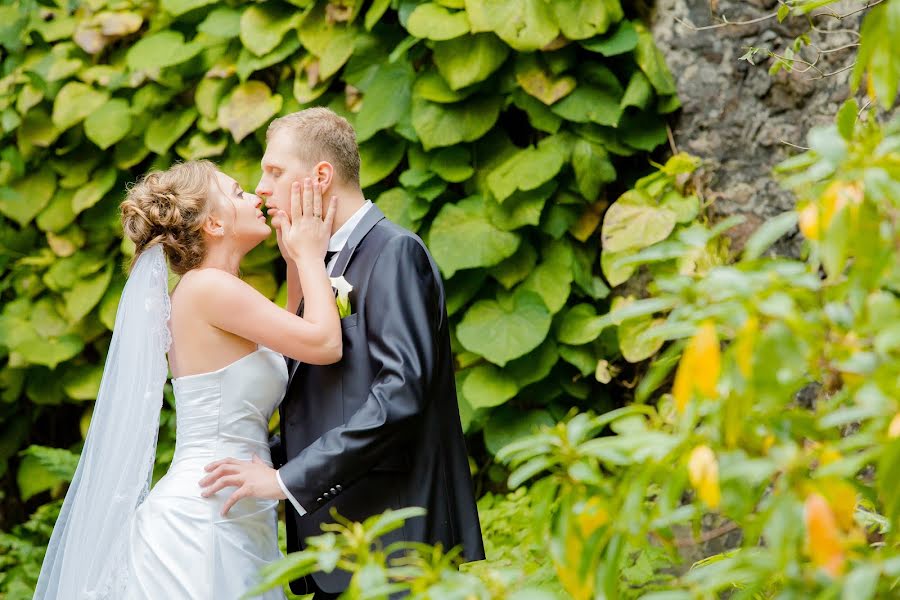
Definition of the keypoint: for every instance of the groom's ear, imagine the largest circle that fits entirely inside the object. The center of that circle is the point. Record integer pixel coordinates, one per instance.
(324, 174)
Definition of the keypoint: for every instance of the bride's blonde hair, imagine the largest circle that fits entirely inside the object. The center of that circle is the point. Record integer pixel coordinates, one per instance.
(169, 208)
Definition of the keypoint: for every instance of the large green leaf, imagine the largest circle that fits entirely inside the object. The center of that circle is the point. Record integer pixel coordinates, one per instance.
(592, 168)
(329, 40)
(179, 7)
(580, 19)
(93, 191)
(109, 124)
(28, 196)
(435, 22)
(165, 130)
(248, 107)
(379, 157)
(488, 386)
(86, 294)
(467, 60)
(159, 50)
(552, 279)
(462, 237)
(74, 102)
(503, 331)
(632, 222)
(521, 208)
(589, 104)
(50, 351)
(448, 124)
(264, 25)
(541, 82)
(385, 100)
(622, 39)
(509, 424)
(529, 168)
(653, 63)
(523, 24)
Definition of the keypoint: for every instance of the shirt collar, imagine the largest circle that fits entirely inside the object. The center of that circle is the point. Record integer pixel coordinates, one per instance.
(339, 238)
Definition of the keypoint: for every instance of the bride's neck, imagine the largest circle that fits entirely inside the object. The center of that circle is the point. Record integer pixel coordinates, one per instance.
(219, 256)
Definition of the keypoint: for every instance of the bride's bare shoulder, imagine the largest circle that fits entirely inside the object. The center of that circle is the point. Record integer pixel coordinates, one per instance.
(204, 282)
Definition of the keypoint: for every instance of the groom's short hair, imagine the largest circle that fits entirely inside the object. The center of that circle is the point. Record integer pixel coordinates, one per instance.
(321, 134)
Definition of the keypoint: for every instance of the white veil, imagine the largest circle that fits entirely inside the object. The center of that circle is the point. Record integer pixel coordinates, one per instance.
(87, 554)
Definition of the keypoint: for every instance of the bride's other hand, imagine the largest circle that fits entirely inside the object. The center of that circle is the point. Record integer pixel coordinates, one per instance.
(305, 235)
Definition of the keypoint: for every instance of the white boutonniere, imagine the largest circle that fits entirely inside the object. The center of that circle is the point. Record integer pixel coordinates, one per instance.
(343, 289)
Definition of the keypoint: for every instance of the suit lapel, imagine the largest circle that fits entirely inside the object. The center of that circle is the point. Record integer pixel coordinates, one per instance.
(369, 220)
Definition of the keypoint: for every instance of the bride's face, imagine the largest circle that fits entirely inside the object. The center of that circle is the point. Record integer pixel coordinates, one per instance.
(239, 212)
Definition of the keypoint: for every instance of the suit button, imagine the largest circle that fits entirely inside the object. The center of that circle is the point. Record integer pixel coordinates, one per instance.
(339, 488)
(319, 500)
(333, 491)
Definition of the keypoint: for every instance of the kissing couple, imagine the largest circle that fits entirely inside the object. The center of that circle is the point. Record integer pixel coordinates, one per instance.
(368, 410)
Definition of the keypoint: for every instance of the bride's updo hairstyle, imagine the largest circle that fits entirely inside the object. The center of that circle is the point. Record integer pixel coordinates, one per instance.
(169, 208)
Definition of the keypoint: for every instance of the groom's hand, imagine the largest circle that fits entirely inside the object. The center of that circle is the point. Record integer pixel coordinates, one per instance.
(252, 478)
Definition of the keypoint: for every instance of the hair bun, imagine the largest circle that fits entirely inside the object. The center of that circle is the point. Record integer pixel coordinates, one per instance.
(169, 208)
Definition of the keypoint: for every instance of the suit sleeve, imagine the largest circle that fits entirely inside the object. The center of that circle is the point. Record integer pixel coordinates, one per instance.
(402, 316)
(276, 450)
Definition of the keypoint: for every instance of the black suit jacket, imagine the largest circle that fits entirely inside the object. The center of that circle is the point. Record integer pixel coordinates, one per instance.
(381, 429)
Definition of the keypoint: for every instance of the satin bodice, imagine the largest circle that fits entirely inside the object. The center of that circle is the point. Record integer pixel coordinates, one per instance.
(225, 413)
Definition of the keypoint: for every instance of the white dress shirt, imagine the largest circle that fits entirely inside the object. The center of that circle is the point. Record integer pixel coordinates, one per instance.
(335, 244)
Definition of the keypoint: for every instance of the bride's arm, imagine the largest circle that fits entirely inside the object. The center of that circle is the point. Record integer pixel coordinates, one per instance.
(234, 306)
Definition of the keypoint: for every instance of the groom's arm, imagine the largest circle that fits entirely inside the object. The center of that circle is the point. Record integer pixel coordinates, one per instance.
(404, 296)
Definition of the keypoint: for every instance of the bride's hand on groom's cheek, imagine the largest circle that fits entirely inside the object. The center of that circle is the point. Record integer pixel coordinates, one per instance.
(252, 478)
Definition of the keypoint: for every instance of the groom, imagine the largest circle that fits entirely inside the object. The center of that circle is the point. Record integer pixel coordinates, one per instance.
(380, 429)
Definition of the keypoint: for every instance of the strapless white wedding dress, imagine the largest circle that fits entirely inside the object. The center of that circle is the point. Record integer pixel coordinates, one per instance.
(181, 548)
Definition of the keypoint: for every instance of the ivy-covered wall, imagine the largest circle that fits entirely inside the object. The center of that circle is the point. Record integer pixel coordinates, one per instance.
(499, 130)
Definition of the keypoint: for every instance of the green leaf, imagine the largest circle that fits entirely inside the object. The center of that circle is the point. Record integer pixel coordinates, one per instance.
(769, 233)
(50, 351)
(74, 102)
(523, 24)
(453, 164)
(517, 267)
(200, 145)
(509, 424)
(431, 86)
(34, 478)
(83, 383)
(435, 22)
(592, 168)
(28, 196)
(248, 63)
(633, 343)
(846, 118)
(539, 115)
(529, 168)
(248, 107)
(581, 325)
(165, 130)
(541, 83)
(375, 12)
(552, 279)
(38, 129)
(263, 26)
(632, 223)
(488, 386)
(582, 19)
(400, 206)
(653, 63)
(109, 124)
(440, 125)
(503, 332)
(590, 104)
(639, 92)
(208, 95)
(385, 100)
(179, 7)
(86, 294)
(379, 157)
(165, 48)
(467, 60)
(93, 191)
(333, 43)
(622, 39)
(462, 237)
(522, 208)
(59, 214)
(224, 22)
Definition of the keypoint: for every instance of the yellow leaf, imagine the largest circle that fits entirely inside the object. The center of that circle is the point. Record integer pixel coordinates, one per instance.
(823, 542)
(746, 338)
(894, 427)
(699, 367)
(703, 472)
(841, 497)
(808, 220)
(592, 515)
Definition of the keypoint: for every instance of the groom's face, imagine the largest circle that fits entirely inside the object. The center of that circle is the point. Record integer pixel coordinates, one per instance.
(281, 166)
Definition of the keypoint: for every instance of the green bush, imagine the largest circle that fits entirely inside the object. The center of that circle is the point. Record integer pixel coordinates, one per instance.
(498, 130)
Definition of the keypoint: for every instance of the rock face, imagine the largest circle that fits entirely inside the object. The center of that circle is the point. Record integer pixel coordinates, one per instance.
(737, 116)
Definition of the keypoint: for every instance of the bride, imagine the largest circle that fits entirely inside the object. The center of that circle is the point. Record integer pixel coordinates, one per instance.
(115, 538)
